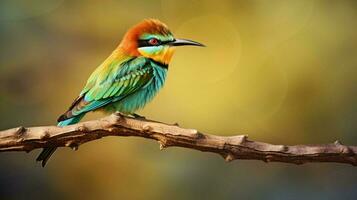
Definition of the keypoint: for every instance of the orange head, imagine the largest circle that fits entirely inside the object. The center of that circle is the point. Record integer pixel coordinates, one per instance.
(152, 39)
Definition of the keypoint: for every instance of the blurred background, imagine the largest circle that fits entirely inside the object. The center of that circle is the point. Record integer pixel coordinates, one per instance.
(280, 71)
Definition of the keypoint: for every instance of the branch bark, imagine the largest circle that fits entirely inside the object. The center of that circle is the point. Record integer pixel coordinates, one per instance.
(229, 147)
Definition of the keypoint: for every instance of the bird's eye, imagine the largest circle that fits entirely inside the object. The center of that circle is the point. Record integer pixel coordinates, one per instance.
(153, 41)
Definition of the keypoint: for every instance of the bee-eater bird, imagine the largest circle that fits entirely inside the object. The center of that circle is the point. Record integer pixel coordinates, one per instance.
(129, 78)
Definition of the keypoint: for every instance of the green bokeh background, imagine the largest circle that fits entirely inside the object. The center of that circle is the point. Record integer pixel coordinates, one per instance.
(281, 71)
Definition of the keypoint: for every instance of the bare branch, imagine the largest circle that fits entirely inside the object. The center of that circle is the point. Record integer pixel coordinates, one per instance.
(230, 147)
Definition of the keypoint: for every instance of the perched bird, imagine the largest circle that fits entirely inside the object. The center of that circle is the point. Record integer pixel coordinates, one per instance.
(129, 78)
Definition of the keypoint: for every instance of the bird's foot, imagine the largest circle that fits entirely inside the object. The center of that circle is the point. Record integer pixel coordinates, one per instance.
(136, 116)
(119, 114)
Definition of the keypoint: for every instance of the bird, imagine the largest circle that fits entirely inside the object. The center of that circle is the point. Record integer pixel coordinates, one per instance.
(129, 78)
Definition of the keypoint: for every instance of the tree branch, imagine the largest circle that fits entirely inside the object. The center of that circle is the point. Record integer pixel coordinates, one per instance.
(229, 147)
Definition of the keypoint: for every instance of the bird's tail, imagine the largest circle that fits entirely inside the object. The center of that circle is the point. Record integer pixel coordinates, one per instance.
(48, 151)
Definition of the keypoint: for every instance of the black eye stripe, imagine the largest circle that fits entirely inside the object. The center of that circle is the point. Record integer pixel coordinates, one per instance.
(145, 43)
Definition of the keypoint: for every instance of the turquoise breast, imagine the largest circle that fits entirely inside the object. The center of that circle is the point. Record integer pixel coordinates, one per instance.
(140, 98)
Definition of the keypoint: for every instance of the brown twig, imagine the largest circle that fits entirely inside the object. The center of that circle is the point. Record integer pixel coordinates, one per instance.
(230, 147)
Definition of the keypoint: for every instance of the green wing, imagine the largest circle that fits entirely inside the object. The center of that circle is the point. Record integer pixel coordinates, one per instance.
(110, 84)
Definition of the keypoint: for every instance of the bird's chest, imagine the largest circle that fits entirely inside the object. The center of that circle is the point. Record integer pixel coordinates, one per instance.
(140, 98)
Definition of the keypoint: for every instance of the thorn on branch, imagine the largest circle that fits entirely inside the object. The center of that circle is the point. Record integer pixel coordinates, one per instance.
(81, 128)
(162, 144)
(20, 139)
(337, 142)
(74, 147)
(20, 130)
(71, 144)
(229, 157)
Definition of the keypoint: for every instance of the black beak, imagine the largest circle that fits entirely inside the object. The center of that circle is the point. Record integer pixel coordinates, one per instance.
(183, 42)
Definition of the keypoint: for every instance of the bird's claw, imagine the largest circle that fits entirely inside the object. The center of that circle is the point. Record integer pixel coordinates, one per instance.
(136, 116)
